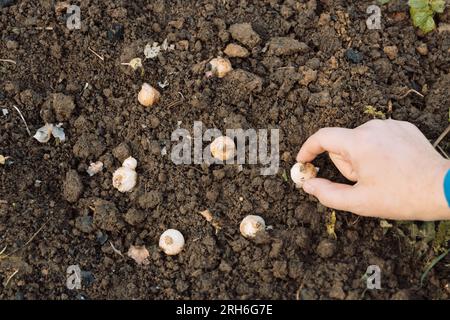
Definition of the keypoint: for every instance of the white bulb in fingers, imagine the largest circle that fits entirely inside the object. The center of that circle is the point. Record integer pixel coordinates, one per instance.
(301, 172)
(223, 148)
(171, 242)
(251, 225)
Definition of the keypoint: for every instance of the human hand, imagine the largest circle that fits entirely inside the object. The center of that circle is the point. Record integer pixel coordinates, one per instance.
(398, 173)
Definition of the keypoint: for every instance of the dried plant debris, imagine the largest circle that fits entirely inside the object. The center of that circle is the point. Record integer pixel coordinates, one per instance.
(3, 159)
(151, 51)
(94, 168)
(331, 224)
(135, 64)
(44, 133)
(210, 218)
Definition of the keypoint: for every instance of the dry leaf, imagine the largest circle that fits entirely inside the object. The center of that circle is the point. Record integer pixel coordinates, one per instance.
(207, 215)
(94, 168)
(331, 225)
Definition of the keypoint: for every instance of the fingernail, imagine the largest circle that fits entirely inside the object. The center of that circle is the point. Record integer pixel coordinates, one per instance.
(308, 188)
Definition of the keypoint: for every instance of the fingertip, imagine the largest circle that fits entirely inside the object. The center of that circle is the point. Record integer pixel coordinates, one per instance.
(303, 156)
(308, 187)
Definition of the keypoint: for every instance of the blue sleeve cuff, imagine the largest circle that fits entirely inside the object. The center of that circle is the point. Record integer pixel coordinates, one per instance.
(447, 187)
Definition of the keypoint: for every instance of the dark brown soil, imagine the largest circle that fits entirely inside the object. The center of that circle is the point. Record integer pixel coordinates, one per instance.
(49, 225)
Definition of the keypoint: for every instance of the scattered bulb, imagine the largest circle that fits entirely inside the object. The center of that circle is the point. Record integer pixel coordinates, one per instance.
(130, 163)
(94, 168)
(219, 67)
(148, 95)
(171, 242)
(301, 172)
(139, 254)
(124, 178)
(223, 148)
(251, 225)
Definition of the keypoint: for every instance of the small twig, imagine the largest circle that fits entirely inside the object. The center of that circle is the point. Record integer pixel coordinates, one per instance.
(8, 60)
(411, 91)
(443, 152)
(10, 277)
(29, 240)
(44, 28)
(116, 250)
(174, 104)
(442, 136)
(23, 119)
(281, 68)
(98, 56)
(356, 221)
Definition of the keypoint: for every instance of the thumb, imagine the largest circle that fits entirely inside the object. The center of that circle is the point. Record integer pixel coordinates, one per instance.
(334, 195)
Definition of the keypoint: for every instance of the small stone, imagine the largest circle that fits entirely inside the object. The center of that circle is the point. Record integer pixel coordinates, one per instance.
(353, 55)
(87, 278)
(63, 106)
(122, 152)
(391, 52)
(337, 292)
(150, 200)
(72, 186)
(106, 215)
(422, 49)
(182, 45)
(85, 224)
(320, 99)
(236, 51)
(401, 295)
(101, 237)
(12, 45)
(225, 267)
(30, 98)
(244, 33)
(324, 19)
(178, 24)
(308, 75)
(281, 46)
(6, 3)
(116, 32)
(88, 145)
(326, 249)
(134, 217)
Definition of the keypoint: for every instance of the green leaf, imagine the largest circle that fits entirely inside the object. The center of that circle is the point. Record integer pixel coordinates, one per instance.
(438, 5)
(418, 4)
(383, 1)
(431, 265)
(420, 16)
(428, 26)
